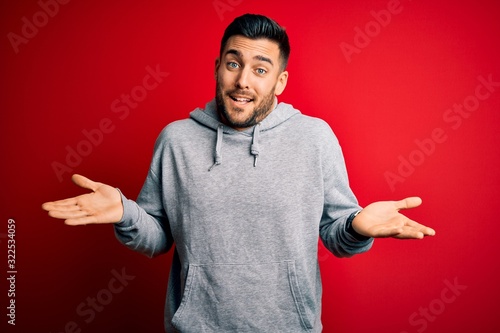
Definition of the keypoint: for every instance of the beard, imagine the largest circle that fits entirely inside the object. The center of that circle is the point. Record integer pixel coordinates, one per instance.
(259, 112)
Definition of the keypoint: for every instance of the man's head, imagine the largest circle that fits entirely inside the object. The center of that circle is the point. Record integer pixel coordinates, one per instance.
(255, 26)
(250, 70)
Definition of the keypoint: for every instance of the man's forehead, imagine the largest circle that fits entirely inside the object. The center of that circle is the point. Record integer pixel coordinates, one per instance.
(261, 46)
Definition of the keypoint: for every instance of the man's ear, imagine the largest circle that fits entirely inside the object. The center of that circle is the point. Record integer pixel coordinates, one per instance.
(217, 64)
(281, 85)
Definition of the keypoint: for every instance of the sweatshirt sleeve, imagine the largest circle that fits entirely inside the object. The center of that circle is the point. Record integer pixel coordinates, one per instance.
(339, 204)
(144, 226)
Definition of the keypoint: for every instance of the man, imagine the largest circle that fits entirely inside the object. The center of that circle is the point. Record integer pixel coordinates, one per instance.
(244, 188)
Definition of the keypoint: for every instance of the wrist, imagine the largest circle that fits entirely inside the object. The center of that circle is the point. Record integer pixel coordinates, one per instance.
(350, 229)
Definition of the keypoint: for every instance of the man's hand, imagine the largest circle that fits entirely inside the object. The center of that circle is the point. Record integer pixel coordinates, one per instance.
(102, 205)
(382, 219)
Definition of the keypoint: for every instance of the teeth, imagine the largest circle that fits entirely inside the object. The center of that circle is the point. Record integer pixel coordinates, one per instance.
(241, 99)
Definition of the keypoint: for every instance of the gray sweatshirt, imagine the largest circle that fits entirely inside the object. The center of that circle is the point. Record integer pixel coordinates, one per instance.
(244, 210)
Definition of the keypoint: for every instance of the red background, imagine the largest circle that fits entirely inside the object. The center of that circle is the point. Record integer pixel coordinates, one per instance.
(395, 90)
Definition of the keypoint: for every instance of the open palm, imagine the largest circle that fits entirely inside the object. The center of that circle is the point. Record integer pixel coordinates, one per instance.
(382, 219)
(102, 205)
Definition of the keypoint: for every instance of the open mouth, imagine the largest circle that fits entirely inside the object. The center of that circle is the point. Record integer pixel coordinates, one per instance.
(241, 100)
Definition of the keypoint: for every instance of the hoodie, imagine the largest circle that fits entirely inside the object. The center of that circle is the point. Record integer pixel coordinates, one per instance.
(245, 210)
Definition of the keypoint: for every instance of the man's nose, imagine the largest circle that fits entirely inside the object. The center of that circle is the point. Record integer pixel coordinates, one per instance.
(242, 81)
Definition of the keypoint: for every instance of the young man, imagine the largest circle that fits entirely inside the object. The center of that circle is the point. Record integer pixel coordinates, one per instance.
(244, 188)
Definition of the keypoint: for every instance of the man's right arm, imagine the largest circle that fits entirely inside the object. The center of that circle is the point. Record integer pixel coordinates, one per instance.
(144, 226)
(141, 226)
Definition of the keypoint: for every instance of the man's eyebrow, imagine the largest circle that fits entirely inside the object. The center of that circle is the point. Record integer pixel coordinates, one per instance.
(235, 52)
(258, 57)
(262, 58)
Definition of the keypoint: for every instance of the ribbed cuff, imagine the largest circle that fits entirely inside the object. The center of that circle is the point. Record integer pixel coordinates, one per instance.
(351, 230)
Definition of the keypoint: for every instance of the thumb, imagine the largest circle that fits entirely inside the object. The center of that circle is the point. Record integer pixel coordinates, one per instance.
(85, 182)
(410, 202)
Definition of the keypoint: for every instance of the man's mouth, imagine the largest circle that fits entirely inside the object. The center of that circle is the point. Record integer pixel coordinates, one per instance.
(241, 100)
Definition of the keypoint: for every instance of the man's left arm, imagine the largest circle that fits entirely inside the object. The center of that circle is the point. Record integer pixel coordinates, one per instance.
(345, 228)
(340, 204)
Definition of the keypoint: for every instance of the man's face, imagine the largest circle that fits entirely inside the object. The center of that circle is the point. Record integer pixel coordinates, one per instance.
(249, 76)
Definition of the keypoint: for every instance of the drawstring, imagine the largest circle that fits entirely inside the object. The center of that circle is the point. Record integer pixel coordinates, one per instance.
(218, 146)
(254, 148)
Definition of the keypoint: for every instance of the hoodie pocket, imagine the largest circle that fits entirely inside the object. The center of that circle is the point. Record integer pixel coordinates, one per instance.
(242, 298)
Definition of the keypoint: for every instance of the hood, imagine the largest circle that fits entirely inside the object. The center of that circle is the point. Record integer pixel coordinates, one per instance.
(209, 117)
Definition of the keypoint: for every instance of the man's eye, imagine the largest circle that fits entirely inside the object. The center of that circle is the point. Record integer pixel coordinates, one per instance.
(232, 64)
(261, 71)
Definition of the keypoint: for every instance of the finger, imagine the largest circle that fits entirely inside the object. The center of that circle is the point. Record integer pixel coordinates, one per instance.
(51, 205)
(79, 180)
(67, 214)
(410, 233)
(81, 221)
(384, 231)
(410, 202)
(428, 231)
(420, 227)
(85, 182)
(403, 230)
(389, 232)
(61, 205)
(400, 231)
